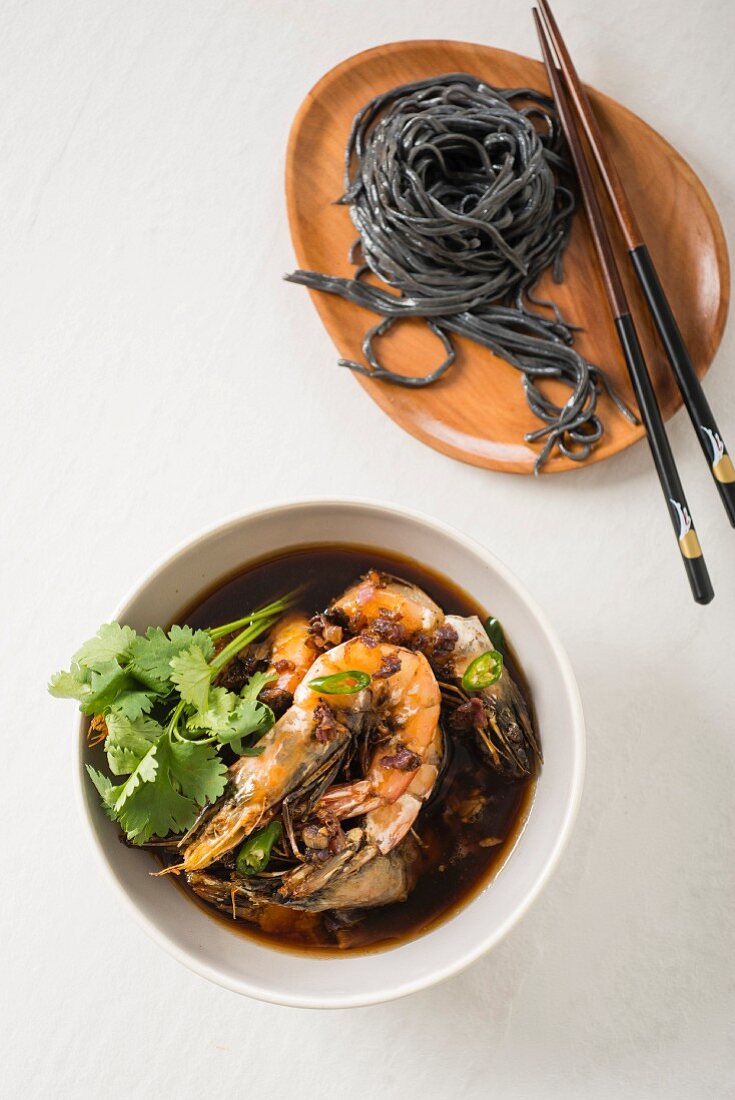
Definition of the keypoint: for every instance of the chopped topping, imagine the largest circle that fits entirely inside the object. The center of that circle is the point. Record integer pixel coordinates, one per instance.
(327, 726)
(438, 647)
(327, 629)
(278, 699)
(403, 761)
(387, 629)
(388, 667)
(284, 665)
(443, 640)
(235, 675)
(468, 716)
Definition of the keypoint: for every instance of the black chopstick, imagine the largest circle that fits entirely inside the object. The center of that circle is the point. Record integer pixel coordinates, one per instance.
(663, 458)
(697, 406)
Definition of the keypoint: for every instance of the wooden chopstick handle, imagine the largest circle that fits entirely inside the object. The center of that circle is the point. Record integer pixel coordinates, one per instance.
(663, 460)
(697, 406)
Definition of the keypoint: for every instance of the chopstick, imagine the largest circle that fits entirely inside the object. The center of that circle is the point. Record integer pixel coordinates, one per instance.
(663, 458)
(700, 413)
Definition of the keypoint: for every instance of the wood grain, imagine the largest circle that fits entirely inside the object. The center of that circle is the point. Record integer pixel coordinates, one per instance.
(477, 412)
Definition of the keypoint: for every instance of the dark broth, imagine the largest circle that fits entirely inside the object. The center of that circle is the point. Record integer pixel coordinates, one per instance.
(458, 857)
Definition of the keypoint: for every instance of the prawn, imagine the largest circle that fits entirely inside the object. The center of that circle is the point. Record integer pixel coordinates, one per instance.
(389, 813)
(399, 610)
(357, 878)
(370, 884)
(389, 607)
(291, 655)
(402, 774)
(407, 694)
(314, 732)
(498, 713)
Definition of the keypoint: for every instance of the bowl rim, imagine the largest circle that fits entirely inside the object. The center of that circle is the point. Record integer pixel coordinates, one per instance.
(466, 956)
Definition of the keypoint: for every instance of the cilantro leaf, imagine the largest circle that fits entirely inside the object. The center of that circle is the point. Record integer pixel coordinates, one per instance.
(168, 782)
(156, 808)
(231, 717)
(144, 772)
(167, 778)
(112, 689)
(106, 682)
(192, 675)
(197, 770)
(220, 705)
(110, 643)
(183, 636)
(128, 741)
(133, 702)
(255, 685)
(106, 791)
(73, 684)
(149, 659)
(150, 656)
(249, 717)
(186, 776)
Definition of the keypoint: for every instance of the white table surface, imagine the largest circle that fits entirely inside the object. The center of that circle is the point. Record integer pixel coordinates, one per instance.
(158, 376)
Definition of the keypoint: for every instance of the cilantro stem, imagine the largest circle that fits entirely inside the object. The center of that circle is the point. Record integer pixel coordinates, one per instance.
(173, 722)
(249, 634)
(216, 632)
(173, 728)
(265, 612)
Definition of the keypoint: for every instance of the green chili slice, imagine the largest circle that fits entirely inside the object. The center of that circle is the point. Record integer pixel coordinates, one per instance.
(484, 671)
(255, 853)
(494, 631)
(341, 683)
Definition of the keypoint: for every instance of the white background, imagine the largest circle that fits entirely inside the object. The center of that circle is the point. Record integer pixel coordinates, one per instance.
(157, 376)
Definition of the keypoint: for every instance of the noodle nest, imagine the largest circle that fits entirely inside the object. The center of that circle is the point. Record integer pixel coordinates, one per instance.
(460, 193)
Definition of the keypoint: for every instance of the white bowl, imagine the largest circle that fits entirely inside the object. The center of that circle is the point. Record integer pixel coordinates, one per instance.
(238, 962)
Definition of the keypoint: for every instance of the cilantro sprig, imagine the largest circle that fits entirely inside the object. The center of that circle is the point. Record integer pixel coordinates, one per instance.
(166, 719)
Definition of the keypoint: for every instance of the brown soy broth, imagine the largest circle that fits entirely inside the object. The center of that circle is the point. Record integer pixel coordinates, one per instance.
(463, 842)
(325, 571)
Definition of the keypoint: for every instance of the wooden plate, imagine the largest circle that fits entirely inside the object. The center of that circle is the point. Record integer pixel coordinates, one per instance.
(477, 412)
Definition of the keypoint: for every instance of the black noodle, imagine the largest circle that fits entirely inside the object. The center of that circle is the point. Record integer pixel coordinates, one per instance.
(462, 200)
